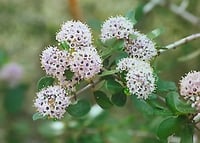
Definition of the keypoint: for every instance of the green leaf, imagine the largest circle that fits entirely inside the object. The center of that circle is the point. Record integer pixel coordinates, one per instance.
(81, 108)
(119, 98)
(162, 112)
(139, 12)
(14, 99)
(155, 33)
(187, 134)
(45, 82)
(142, 106)
(37, 116)
(113, 86)
(168, 127)
(102, 100)
(69, 74)
(108, 72)
(178, 106)
(164, 86)
(65, 46)
(131, 16)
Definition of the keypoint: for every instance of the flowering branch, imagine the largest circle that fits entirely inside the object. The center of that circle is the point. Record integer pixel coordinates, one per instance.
(180, 42)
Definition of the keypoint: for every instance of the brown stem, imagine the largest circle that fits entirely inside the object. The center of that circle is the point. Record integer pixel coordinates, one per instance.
(74, 9)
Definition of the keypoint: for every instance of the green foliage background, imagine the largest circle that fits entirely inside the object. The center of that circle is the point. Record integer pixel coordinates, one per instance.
(27, 27)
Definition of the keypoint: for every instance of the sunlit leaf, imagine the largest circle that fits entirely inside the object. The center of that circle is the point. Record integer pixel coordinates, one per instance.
(81, 108)
(45, 82)
(37, 116)
(102, 100)
(155, 33)
(131, 16)
(64, 45)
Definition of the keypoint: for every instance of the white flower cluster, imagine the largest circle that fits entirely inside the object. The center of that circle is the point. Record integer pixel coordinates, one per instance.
(76, 34)
(120, 27)
(52, 101)
(86, 62)
(80, 61)
(141, 47)
(139, 78)
(190, 88)
(54, 61)
(116, 27)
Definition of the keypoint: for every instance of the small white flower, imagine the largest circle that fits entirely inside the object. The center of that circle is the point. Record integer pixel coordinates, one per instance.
(140, 82)
(142, 47)
(52, 102)
(127, 64)
(190, 88)
(54, 61)
(116, 27)
(75, 34)
(86, 62)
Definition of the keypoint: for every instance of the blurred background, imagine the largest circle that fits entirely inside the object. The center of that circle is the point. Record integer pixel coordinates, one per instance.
(28, 26)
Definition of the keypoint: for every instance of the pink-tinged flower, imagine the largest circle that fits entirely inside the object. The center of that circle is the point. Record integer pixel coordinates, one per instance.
(140, 81)
(75, 34)
(116, 27)
(52, 102)
(127, 64)
(54, 61)
(141, 47)
(12, 73)
(190, 88)
(86, 62)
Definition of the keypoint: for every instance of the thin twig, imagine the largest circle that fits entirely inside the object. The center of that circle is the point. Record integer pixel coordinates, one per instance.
(74, 9)
(180, 42)
(87, 87)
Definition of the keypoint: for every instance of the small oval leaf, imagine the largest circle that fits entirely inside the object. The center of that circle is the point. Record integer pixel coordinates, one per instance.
(45, 82)
(168, 127)
(113, 86)
(81, 108)
(119, 98)
(37, 116)
(102, 100)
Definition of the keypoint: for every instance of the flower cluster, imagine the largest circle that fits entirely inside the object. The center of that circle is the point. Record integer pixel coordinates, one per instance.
(140, 47)
(52, 101)
(86, 62)
(139, 78)
(116, 27)
(76, 34)
(190, 88)
(81, 61)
